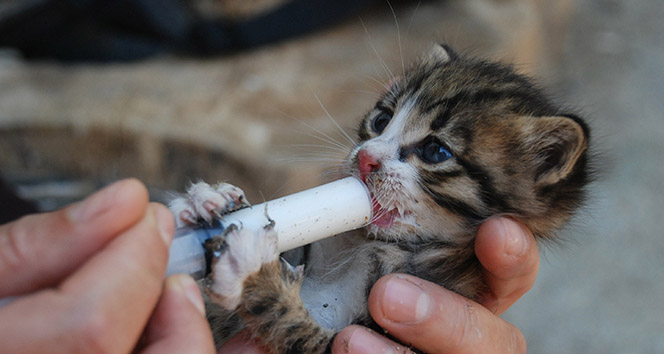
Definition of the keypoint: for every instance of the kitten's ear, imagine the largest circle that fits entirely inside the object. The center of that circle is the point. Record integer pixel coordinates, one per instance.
(557, 143)
(443, 53)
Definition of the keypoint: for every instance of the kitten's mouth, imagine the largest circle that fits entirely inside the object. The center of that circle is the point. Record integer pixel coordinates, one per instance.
(383, 218)
(387, 213)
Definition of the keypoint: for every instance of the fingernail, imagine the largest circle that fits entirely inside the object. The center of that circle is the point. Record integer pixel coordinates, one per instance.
(188, 286)
(515, 236)
(95, 204)
(405, 302)
(366, 341)
(165, 222)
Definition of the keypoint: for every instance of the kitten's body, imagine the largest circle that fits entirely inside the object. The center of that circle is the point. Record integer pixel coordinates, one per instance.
(450, 144)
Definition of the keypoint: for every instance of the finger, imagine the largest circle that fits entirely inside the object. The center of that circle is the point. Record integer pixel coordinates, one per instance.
(178, 324)
(241, 344)
(132, 267)
(360, 340)
(436, 320)
(38, 251)
(508, 252)
(104, 305)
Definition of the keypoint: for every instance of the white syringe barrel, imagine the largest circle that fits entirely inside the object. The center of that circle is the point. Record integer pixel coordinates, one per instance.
(300, 219)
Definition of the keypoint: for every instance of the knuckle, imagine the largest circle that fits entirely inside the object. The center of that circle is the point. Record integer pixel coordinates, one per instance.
(467, 326)
(14, 247)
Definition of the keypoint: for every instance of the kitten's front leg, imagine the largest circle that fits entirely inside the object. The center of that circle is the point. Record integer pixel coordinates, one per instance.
(205, 202)
(247, 277)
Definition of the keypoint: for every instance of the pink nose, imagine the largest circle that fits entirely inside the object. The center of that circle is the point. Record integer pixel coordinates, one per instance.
(367, 163)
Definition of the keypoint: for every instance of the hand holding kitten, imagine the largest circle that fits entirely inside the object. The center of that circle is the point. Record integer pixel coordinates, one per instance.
(436, 320)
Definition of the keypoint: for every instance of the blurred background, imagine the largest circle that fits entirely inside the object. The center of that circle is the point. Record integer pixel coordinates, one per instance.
(175, 91)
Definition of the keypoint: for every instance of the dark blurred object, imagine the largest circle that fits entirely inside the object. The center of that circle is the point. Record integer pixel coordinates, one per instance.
(12, 206)
(123, 30)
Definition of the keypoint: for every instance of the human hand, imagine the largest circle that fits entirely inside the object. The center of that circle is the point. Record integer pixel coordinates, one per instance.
(509, 255)
(89, 278)
(436, 320)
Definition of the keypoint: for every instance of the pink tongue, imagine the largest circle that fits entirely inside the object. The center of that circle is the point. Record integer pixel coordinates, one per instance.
(383, 218)
(386, 218)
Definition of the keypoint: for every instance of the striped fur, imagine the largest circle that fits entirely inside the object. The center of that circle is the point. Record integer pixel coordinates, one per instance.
(513, 152)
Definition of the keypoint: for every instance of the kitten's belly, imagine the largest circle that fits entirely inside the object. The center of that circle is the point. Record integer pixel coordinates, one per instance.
(335, 305)
(335, 293)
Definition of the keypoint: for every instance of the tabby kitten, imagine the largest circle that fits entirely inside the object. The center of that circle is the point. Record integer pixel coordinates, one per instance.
(451, 143)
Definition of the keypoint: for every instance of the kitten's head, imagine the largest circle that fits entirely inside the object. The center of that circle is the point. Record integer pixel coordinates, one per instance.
(457, 140)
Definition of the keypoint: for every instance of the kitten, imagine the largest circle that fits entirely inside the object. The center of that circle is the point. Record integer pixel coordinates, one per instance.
(451, 143)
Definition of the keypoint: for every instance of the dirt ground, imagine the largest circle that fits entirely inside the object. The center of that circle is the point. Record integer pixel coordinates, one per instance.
(245, 118)
(601, 293)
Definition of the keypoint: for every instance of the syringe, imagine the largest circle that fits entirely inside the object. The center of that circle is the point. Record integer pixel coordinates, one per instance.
(299, 219)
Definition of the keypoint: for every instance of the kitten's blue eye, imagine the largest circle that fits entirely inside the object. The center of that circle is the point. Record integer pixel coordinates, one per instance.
(434, 152)
(380, 122)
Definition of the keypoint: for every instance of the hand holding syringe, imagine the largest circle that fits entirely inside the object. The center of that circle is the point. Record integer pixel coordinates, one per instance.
(299, 218)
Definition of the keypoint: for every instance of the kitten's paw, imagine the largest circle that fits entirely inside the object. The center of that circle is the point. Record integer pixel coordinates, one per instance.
(241, 254)
(205, 202)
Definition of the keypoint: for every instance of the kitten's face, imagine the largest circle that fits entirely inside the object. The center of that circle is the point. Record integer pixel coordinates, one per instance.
(456, 141)
(400, 151)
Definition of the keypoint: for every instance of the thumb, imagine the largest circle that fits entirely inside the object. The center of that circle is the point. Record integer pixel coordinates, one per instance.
(178, 324)
(40, 250)
(437, 320)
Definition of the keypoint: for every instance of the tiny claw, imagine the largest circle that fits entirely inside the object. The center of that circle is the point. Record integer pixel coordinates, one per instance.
(242, 201)
(188, 217)
(216, 213)
(210, 207)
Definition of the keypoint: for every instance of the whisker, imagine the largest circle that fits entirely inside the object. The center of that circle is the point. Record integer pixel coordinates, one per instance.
(326, 147)
(386, 68)
(324, 136)
(337, 171)
(272, 196)
(316, 159)
(331, 151)
(341, 130)
(373, 94)
(382, 84)
(329, 174)
(410, 23)
(396, 22)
